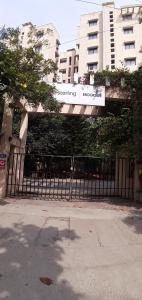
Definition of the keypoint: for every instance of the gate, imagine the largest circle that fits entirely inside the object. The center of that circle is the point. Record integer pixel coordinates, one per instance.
(69, 177)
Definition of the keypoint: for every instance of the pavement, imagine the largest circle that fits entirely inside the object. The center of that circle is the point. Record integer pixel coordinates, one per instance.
(65, 251)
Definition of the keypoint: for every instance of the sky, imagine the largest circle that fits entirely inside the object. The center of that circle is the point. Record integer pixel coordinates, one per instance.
(64, 14)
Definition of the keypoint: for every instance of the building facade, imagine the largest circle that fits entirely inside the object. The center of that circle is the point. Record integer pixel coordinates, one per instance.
(68, 66)
(44, 38)
(110, 39)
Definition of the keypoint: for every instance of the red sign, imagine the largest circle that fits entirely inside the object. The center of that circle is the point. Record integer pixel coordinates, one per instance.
(2, 164)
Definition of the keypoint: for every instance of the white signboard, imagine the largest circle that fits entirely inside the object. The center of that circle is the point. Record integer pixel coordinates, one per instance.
(80, 94)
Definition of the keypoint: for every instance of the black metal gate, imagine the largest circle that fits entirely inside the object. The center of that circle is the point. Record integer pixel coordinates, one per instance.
(69, 178)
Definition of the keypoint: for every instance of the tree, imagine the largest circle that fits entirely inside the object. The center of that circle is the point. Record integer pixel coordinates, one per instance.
(59, 135)
(130, 84)
(113, 133)
(22, 72)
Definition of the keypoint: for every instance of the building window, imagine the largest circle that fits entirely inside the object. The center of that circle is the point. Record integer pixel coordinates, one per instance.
(111, 29)
(92, 50)
(39, 34)
(129, 45)
(112, 40)
(111, 12)
(63, 60)
(130, 61)
(111, 20)
(113, 67)
(38, 49)
(63, 71)
(76, 59)
(70, 59)
(113, 61)
(92, 22)
(69, 81)
(75, 69)
(127, 17)
(111, 25)
(92, 36)
(69, 72)
(112, 50)
(112, 44)
(128, 30)
(92, 66)
(112, 34)
(112, 55)
(64, 81)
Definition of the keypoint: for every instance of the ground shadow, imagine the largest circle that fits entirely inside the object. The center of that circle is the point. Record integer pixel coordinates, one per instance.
(27, 254)
(134, 220)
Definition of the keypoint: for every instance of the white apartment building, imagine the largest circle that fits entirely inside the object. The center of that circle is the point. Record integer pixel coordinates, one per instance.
(45, 38)
(110, 38)
(68, 66)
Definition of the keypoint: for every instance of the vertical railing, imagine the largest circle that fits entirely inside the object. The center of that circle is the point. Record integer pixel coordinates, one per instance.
(70, 178)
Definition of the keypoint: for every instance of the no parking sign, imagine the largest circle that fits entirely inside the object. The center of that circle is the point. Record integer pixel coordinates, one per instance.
(3, 158)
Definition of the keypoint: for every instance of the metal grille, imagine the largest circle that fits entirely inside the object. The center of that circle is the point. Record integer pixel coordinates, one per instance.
(69, 178)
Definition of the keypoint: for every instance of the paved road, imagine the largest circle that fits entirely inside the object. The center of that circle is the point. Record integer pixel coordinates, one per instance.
(89, 253)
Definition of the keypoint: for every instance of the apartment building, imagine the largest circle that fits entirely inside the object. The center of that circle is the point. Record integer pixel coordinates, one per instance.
(44, 38)
(68, 66)
(110, 38)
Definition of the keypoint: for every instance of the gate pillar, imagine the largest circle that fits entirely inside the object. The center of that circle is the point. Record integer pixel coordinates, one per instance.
(23, 138)
(5, 144)
(138, 182)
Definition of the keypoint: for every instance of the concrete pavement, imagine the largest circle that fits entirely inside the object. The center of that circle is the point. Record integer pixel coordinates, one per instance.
(89, 253)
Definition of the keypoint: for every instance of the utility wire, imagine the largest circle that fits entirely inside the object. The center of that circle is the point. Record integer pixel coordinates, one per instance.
(97, 4)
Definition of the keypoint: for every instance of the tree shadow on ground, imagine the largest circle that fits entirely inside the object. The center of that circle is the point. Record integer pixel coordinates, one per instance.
(134, 220)
(28, 253)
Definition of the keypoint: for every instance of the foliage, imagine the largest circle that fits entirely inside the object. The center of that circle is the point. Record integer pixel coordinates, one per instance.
(131, 85)
(58, 135)
(113, 133)
(22, 72)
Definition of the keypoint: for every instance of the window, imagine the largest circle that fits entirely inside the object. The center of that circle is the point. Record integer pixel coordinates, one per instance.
(69, 80)
(92, 50)
(111, 12)
(64, 81)
(39, 34)
(92, 36)
(112, 44)
(92, 22)
(70, 59)
(75, 69)
(111, 25)
(128, 30)
(127, 17)
(112, 40)
(92, 66)
(76, 59)
(130, 61)
(38, 49)
(129, 45)
(113, 61)
(63, 60)
(113, 67)
(112, 50)
(112, 34)
(63, 71)
(112, 55)
(69, 72)
(111, 29)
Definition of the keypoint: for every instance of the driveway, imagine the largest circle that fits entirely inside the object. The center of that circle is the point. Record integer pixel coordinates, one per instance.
(61, 251)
